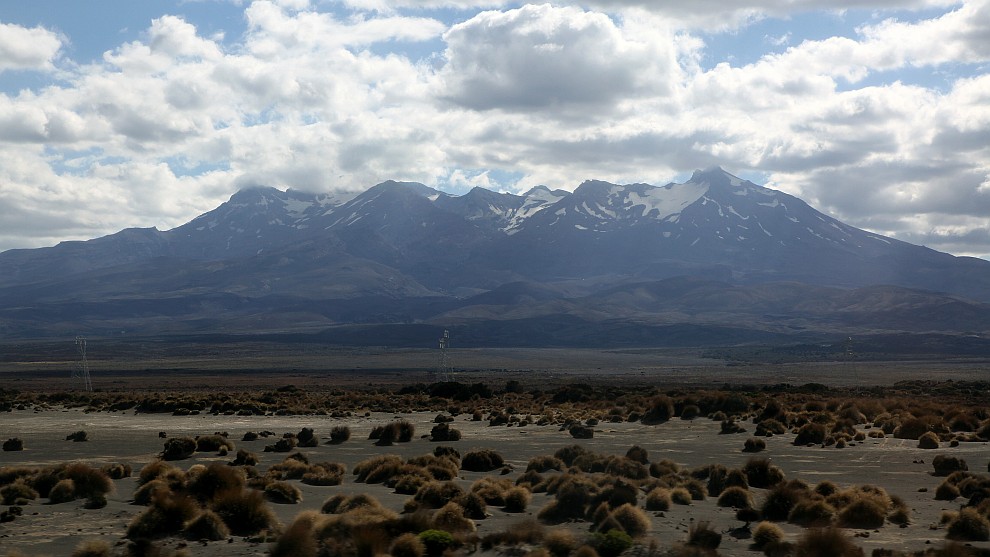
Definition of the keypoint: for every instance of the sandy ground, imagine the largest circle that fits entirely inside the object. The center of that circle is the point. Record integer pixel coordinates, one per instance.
(54, 530)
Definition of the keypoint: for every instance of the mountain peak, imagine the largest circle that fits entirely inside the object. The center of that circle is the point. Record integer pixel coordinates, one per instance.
(715, 175)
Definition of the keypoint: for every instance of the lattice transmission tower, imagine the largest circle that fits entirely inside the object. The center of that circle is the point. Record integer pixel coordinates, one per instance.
(81, 371)
(443, 361)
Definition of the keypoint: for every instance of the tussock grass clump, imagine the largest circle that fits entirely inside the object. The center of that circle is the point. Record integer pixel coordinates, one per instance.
(701, 535)
(166, 516)
(206, 526)
(244, 458)
(92, 548)
(527, 531)
(945, 465)
(339, 434)
(781, 499)
(638, 454)
(969, 525)
(437, 494)
(811, 434)
(179, 448)
(559, 542)
(450, 518)
(244, 511)
(283, 493)
(766, 533)
(13, 444)
(912, 428)
(516, 500)
(484, 460)
(680, 496)
(826, 542)
(492, 490)
(542, 464)
(77, 437)
(213, 443)
(442, 433)
(146, 493)
(631, 519)
(17, 493)
(661, 410)
(928, 440)
(946, 491)
(579, 431)
(116, 471)
(754, 445)
(298, 540)
(377, 468)
(735, 497)
(307, 438)
(658, 499)
(407, 545)
(214, 479)
(760, 473)
(864, 513)
(811, 513)
(63, 492)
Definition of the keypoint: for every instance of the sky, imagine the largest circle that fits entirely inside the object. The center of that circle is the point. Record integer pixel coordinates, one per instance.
(149, 113)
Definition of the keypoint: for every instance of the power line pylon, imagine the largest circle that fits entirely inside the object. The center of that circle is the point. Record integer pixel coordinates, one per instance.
(443, 362)
(82, 372)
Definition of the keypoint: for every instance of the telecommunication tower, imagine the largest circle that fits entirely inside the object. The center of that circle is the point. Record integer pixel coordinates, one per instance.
(82, 372)
(443, 362)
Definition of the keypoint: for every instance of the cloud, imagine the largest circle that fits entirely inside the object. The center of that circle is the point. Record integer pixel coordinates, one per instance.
(22, 48)
(168, 126)
(543, 57)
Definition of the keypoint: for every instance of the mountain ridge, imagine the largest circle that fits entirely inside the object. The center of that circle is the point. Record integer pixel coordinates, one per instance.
(403, 254)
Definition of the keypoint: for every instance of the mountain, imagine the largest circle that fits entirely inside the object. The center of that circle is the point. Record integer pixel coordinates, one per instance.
(713, 258)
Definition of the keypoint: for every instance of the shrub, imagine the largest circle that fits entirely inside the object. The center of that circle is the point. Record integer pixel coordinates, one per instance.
(516, 500)
(443, 432)
(658, 499)
(969, 525)
(484, 460)
(306, 438)
(863, 512)
(631, 519)
(638, 454)
(77, 437)
(213, 443)
(17, 493)
(579, 431)
(945, 465)
(701, 535)
(92, 548)
(811, 513)
(407, 545)
(928, 440)
(206, 526)
(179, 448)
(735, 497)
(781, 499)
(244, 511)
(760, 473)
(244, 458)
(88, 481)
(661, 410)
(13, 444)
(946, 491)
(611, 543)
(912, 428)
(544, 464)
(339, 434)
(680, 496)
(559, 542)
(116, 471)
(63, 492)
(216, 478)
(283, 493)
(436, 541)
(766, 533)
(406, 431)
(450, 518)
(167, 515)
(826, 542)
(811, 434)
(754, 445)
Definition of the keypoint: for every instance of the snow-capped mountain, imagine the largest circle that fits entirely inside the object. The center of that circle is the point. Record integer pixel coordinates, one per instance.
(403, 252)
